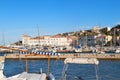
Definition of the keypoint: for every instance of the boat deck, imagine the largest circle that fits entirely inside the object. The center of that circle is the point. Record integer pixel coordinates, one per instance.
(28, 76)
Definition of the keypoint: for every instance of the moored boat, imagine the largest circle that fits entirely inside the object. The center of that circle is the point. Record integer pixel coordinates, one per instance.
(24, 75)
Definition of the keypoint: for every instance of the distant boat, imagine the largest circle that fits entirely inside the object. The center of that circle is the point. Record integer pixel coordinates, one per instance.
(100, 52)
(117, 51)
(78, 50)
(97, 51)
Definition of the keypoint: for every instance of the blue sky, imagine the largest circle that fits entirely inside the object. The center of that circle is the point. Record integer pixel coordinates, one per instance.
(19, 17)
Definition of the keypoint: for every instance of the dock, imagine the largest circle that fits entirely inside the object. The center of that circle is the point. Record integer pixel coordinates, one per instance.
(63, 56)
(111, 56)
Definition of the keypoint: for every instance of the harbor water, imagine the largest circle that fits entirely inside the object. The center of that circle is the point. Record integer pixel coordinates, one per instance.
(107, 69)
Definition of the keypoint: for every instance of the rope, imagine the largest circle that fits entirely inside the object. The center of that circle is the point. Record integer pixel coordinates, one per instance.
(64, 72)
(96, 71)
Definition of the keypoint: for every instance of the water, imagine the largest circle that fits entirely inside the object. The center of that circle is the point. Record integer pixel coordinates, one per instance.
(107, 69)
(13, 67)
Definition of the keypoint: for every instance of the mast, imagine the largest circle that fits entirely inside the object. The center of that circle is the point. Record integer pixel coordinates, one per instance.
(86, 40)
(38, 37)
(3, 38)
(77, 39)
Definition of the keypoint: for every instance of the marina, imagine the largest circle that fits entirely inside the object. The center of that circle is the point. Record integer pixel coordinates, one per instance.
(50, 62)
(23, 54)
(59, 40)
(47, 59)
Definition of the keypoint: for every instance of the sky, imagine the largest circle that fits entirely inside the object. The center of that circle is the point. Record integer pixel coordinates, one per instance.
(51, 17)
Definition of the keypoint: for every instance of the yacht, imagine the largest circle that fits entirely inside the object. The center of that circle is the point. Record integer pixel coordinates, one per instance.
(95, 50)
(77, 50)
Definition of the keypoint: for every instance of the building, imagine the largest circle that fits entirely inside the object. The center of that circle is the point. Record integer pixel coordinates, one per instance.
(108, 28)
(47, 40)
(25, 39)
(87, 41)
(94, 40)
(96, 29)
(118, 41)
(103, 39)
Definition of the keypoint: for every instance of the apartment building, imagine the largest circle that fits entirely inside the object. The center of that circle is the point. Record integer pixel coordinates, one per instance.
(94, 40)
(87, 41)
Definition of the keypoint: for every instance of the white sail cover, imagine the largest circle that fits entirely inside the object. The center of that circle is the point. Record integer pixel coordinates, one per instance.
(81, 61)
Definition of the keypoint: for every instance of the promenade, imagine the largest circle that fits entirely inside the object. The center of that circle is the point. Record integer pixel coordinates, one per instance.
(63, 56)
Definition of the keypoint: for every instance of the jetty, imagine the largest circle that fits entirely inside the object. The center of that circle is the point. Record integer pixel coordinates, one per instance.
(63, 56)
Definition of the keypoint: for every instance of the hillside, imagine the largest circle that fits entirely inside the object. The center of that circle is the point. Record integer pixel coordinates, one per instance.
(91, 32)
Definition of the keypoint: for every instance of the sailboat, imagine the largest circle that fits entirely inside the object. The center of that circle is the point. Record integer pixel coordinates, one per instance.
(68, 61)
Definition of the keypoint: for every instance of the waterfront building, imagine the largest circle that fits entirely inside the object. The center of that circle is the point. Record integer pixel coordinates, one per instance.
(93, 40)
(102, 39)
(57, 40)
(87, 41)
(25, 39)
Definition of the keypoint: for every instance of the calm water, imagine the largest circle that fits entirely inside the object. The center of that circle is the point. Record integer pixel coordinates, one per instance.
(107, 69)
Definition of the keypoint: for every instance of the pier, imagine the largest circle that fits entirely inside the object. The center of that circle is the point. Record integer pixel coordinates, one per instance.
(63, 56)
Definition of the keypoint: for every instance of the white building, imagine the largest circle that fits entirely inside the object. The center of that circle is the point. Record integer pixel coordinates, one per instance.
(46, 41)
(108, 28)
(96, 29)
